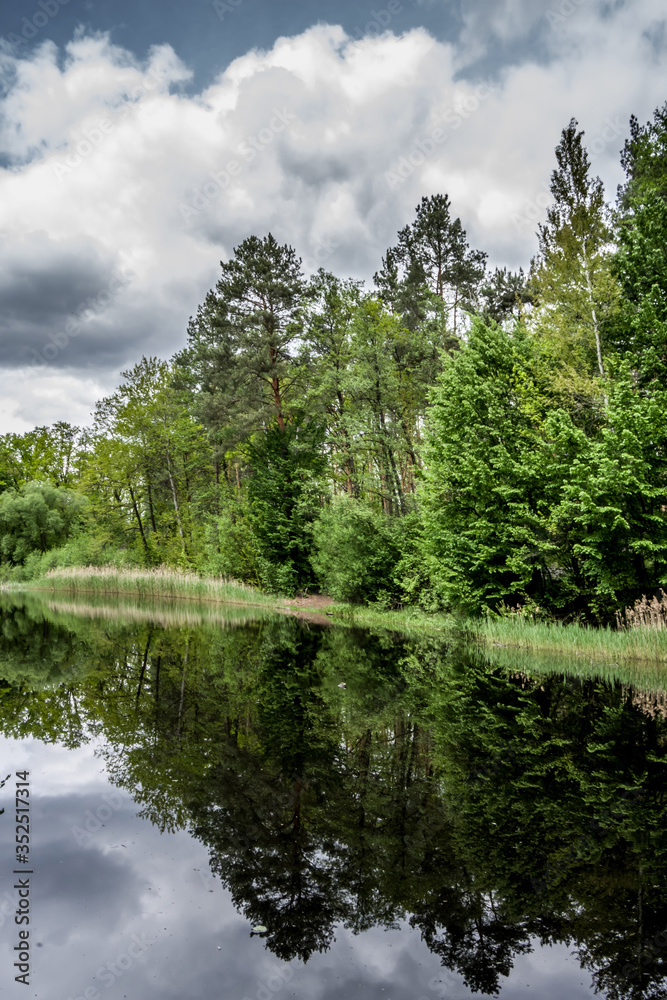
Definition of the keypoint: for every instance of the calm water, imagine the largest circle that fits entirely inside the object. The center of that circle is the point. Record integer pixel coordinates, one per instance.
(440, 827)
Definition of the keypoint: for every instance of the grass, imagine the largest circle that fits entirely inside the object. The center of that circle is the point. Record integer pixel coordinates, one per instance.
(162, 583)
(599, 647)
(600, 644)
(406, 620)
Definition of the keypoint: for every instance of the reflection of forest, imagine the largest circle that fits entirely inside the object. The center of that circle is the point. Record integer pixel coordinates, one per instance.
(484, 806)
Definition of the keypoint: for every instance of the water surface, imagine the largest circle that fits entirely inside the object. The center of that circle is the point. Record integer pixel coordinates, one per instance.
(442, 825)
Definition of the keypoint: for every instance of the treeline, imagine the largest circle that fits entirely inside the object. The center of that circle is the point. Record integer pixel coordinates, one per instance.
(452, 437)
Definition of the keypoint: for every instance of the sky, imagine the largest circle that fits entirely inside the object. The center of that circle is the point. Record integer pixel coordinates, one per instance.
(120, 909)
(140, 143)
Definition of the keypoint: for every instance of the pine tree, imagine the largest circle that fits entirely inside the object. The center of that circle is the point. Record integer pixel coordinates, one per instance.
(431, 259)
(240, 345)
(505, 295)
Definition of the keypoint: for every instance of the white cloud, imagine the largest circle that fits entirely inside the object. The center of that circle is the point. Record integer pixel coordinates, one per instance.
(307, 140)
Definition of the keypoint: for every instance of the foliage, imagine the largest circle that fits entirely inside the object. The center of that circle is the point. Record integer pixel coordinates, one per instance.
(609, 522)
(432, 265)
(572, 278)
(355, 552)
(387, 801)
(452, 439)
(240, 345)
(483, 499)
(36, 518)
(150, 459)
(284, 499)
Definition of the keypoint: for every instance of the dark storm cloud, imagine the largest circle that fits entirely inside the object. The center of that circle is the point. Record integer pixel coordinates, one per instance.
(326, 142)
(44, 284)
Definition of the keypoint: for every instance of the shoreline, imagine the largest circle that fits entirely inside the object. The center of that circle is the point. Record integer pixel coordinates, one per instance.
(521, 635)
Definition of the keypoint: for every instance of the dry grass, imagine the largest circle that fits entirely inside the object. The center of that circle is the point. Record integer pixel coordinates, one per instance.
(163, 582)
(645, 614)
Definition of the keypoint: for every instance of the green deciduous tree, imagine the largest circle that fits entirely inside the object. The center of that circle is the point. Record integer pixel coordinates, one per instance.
(355, 552)
(284, 500)
(55, 454)
(571, 275)
(150, 459)
(36, 518)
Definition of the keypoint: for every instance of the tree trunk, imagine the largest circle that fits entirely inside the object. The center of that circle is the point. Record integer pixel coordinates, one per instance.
(150, 502)
(138, 517)
(596, 328)
(176, 507)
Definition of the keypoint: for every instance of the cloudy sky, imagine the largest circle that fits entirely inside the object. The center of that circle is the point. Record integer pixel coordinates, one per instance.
(139, 143)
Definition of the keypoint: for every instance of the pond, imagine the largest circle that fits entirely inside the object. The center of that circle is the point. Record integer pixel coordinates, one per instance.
(240, 805)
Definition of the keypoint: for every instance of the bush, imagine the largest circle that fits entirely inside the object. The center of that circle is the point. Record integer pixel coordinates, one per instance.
(230, 546)
(37, 518)
(83, 550)
(356, 553)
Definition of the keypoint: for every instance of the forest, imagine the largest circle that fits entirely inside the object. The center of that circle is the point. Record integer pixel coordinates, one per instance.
(453, 438)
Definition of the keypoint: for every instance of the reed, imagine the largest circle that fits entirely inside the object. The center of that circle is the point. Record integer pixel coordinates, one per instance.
(167, 614)
(160, 583)
(639, 642)
(640, 635)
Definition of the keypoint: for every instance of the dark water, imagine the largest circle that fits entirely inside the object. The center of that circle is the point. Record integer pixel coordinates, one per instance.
(440, 827)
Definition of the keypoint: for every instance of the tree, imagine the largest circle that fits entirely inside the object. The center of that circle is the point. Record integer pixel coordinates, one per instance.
(239, 357)
(608, 520)
(644, 160)
(36, 518)
(505, 296)
(355, 552)
(327, 360)
(284, 500)
(572, 273)
(432, 258)
(56, 455)
(483, 494)
(150, 458)
(641, 260)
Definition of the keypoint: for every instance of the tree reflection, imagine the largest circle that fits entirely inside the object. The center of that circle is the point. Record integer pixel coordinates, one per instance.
(486, 806)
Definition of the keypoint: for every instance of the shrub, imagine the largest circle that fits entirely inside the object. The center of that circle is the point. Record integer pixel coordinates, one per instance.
(356, 553)
(37, 518)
